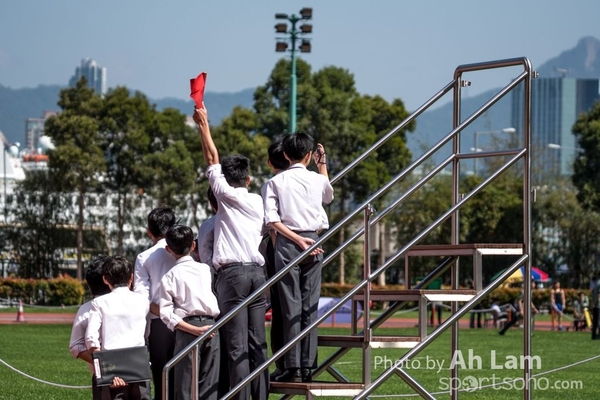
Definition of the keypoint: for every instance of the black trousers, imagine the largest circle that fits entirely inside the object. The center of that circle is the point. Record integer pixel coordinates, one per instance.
(244, 334)
(208, 370)
(299, 292)
(472, 318)
(276, 315)
(596, 323)
(161, 344)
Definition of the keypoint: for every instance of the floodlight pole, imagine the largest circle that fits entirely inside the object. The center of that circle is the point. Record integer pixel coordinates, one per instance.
(293, 36)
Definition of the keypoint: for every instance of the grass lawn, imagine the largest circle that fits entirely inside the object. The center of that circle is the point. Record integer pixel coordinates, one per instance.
(42, 351)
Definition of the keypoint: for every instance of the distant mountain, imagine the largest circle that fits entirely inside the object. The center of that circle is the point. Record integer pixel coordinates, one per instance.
(18, 104)
(582, 61)
(221, 104)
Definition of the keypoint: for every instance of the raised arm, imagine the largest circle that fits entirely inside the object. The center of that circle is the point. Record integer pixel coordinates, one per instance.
(209, 150)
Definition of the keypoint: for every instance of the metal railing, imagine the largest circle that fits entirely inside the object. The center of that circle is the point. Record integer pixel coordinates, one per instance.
(365, 207)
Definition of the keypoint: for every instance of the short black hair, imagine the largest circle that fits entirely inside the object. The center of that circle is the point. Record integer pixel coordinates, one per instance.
(93, 275)
(297, 145)
(160, 220)
(495, 299)
(118, 271)
(277, 156)
(179, 239)
(212, 199)
(236, 169)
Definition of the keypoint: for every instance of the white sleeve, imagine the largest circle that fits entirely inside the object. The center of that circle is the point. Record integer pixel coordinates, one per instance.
(271, 203)
(141, 281)
(92, 333)
(77, 342)
(167, 307)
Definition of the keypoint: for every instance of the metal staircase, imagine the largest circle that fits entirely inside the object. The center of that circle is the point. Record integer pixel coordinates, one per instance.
(366, 339)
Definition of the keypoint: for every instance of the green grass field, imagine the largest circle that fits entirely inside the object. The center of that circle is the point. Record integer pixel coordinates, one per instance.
(42, 351)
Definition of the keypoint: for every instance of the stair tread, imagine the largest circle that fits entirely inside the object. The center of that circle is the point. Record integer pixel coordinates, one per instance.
(319, 389)
(400, 292)
(316, 385)
(359, 338)
(468, 246)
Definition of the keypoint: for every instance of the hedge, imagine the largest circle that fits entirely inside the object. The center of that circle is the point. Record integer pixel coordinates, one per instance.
(540, 297)
(59, 291)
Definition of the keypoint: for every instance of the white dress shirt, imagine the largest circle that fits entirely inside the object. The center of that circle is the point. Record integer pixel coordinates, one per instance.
(80, 324)
(150, 266)
(206, 238)
(186, 290)
(119, 318)
(238, 224)
(295, 198)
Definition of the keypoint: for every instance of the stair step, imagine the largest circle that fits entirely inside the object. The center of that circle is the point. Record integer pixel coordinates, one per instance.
(377, 342)
(465, 249)
(317, 388)
(415, 295)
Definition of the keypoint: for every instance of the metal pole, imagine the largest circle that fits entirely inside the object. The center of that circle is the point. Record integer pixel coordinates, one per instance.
(475, 149)
(527, 231)
(5, 209)
(293, 36)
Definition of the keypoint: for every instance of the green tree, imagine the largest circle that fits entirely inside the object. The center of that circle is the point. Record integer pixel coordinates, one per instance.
(77, 157)
(346, 123)
(145, 153)
(565, 233)
(40, 209)
(586, 169)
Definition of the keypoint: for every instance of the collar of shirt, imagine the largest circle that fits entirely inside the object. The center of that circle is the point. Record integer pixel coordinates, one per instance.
(297, 165)
(184, 259)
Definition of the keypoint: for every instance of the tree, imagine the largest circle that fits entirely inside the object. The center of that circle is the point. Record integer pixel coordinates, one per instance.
(335, 114)
(77, 157)
(37, 239)
(586, 169)
(145, 153)
(565, 234)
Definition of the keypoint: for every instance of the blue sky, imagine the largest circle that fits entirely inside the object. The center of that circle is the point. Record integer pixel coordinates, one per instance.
(395, 48)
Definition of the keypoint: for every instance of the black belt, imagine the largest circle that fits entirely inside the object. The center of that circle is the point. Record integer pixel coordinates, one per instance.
(317, 232)
(239, 264)
(198, 318)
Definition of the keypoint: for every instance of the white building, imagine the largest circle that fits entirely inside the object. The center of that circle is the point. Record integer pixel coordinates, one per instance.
(93, 73)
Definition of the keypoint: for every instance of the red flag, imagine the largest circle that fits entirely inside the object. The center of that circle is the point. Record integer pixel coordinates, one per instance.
(197, 89)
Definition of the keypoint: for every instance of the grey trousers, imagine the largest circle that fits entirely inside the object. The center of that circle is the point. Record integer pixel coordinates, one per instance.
(276, 317)
(161, 343)
(208, 366)
(244, 334)
(299, 292)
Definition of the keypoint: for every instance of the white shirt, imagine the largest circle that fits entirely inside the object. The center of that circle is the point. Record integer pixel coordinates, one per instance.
(119, 317)
(238, 224)
(206, 238)
(80, 324)
(186, 290)
(295, 198)
(150, 266)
